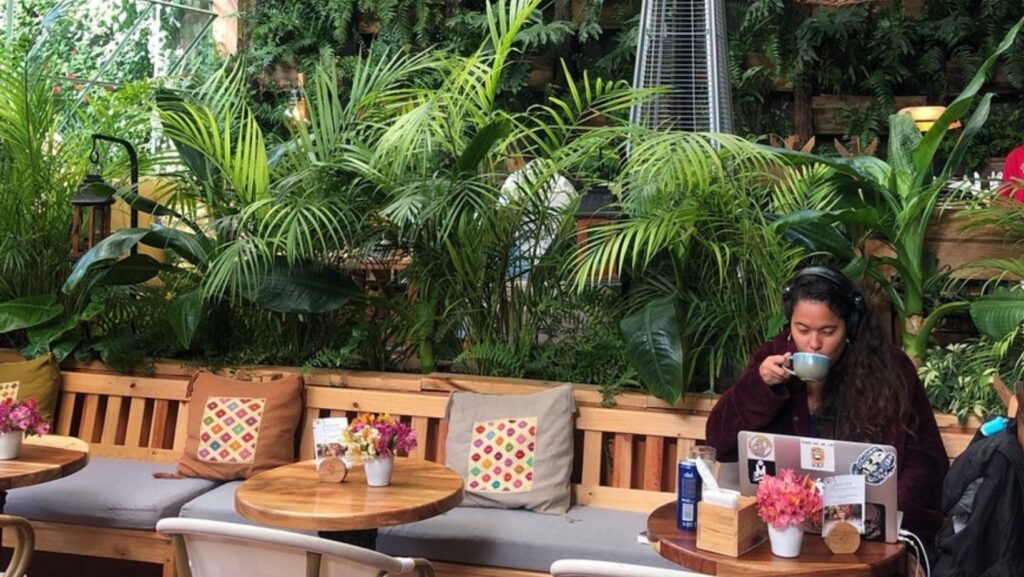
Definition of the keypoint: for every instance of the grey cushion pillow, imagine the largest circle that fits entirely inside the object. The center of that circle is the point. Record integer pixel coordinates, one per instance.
(514, 451)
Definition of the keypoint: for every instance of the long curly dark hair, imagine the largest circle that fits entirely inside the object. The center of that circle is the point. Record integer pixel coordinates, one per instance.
(866, 394)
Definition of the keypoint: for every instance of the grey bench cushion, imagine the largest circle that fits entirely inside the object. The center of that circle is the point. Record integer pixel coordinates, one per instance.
(519, 539)
(108, 493)
(219, 505)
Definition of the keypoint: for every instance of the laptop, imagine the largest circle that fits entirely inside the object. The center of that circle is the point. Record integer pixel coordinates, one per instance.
(763, 454)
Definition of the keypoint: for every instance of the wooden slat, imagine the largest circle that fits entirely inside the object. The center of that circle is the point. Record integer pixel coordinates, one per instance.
(620, 498)
(654, 462)
(111, 420)
(306, 450)
(622, 460)
(662, 424)
(90, 410)
(126, 386)
(136, 412)
(135, 453)
(412, 404)
(456, 570)
(420, 425)
(181, 428)
(158, 430)
(956, 441)
(145, 546)
(442, 438)
(67, 411)
(593, 450)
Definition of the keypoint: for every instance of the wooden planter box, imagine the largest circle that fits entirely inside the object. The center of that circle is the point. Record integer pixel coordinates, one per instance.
(828, 109)
(954, 248)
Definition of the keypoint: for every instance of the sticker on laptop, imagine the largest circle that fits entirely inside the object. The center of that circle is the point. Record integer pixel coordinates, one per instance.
(761, 447)
(758, 468)
(875, 464)
(817, 455)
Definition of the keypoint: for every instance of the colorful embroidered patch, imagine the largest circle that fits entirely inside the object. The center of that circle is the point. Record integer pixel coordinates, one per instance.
(229, 429)
(9, 390)
(501, 455)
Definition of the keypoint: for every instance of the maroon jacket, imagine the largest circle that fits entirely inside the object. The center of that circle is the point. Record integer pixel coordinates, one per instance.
(751, 405)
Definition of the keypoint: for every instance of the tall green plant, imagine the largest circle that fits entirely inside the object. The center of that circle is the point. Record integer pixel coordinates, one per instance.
(895, 199)
(705, 265)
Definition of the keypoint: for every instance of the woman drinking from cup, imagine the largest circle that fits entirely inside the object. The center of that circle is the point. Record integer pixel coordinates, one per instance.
(832, 373)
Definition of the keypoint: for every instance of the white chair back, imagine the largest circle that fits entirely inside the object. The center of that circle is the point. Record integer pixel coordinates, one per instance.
(218, 549)
(588, 568)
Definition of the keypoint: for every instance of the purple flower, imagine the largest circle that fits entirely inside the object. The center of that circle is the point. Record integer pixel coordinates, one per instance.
(22, 416)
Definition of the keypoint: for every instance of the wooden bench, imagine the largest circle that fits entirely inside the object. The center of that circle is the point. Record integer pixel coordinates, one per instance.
(625, 456)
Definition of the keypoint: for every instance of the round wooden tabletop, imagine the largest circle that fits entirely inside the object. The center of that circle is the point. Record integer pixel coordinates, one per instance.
(874, 559)
(294, 497)
(43, 459)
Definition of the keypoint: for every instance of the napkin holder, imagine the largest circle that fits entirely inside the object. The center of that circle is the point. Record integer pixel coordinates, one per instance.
(728, 531)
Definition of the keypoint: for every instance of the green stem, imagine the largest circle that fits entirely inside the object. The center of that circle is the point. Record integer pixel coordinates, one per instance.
(916, 344)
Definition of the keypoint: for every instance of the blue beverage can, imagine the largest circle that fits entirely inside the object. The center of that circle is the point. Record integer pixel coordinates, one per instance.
(689, 495)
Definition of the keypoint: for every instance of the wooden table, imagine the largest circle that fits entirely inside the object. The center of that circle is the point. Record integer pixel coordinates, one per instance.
(294, 497)
(43, 459)
(871, 559)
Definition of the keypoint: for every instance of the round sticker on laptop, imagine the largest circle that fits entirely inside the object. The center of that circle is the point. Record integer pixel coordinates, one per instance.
(761, 446)
(875, 464)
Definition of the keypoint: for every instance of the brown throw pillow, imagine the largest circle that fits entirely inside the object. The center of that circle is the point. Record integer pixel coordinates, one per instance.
(513, 451)
(38, 378)
(238, 428)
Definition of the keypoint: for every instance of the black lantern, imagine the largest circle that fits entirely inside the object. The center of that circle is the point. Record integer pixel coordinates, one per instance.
(91, 205)
(90, 215)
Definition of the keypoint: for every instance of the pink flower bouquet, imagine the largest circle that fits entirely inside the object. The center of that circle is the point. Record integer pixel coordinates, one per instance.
(371, 436)
(22, 416)
(788, 499)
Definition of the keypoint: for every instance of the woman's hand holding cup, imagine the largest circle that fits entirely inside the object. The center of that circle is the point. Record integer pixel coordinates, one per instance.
(773, 369)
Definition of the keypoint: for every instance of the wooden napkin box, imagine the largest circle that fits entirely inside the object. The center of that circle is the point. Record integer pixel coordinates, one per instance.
(730, 532)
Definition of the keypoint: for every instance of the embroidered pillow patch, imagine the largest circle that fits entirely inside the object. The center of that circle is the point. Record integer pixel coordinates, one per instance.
(229, 429)
(501, 455)
(9, 390)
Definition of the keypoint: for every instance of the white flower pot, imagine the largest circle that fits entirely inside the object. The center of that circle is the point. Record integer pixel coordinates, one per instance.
(786, 542)
(10, 444)
(378, 471)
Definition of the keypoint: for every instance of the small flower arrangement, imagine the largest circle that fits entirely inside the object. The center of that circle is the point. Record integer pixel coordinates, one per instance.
(788, 499)
(22, 416)
(371, 436)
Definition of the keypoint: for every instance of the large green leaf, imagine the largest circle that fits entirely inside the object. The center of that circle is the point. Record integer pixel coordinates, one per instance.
(41, 338)
(304, 288)
(194, 248)
(482, 143)
(184, 314)
(654, 349)
(108, 249)
(998, 314)
(133, 269)
(28, 312)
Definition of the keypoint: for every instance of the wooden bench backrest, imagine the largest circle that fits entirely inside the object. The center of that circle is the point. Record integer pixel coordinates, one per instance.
(624, 458)
(125, 416)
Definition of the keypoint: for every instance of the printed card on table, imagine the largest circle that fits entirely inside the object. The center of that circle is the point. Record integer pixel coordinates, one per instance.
(327, 437)
(843, 500)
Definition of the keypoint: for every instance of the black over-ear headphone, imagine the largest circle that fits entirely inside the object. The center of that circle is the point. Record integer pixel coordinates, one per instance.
(856, 300)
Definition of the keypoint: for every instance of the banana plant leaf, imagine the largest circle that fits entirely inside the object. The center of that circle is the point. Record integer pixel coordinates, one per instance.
(28, 312)
(111, 248)
(133, 269)
(998, 314)
(482, 143)
(653, 348)
(304, 288)
(184, 314)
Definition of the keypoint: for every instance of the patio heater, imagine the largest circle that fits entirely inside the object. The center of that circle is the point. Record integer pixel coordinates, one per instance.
(91, 204)
(682, 46)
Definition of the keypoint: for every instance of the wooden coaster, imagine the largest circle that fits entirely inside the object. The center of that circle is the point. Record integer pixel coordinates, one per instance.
(332, 470)
(843, 538)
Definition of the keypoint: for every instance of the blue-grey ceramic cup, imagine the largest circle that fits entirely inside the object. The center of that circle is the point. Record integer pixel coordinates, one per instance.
(809, 366)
